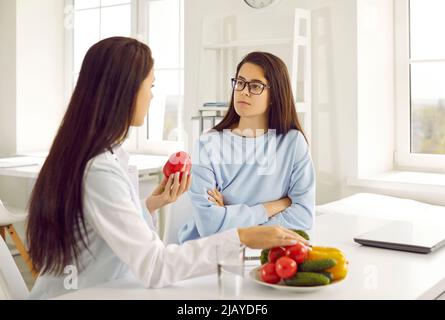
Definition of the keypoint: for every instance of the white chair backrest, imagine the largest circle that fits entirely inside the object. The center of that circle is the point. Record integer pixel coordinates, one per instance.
(12, 285)
(177, 215)
(10, 215)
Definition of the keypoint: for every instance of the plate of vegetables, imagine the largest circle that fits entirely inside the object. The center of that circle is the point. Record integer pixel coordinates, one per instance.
(299, 268)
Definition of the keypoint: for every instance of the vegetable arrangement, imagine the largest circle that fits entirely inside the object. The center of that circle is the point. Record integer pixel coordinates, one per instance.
(299, 265)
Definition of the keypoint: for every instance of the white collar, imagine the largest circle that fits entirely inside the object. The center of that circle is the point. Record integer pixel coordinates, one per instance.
(120, 155)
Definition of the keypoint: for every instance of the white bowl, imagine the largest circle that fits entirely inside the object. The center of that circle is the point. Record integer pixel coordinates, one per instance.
(255, 275)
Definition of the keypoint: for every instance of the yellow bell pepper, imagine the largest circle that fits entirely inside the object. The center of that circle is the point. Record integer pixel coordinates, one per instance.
(318, 253)
(339, 271)
(326, 249)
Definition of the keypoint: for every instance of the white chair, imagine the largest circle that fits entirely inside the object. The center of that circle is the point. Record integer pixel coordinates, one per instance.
(12, 285)
(7, 219)
(177, 215)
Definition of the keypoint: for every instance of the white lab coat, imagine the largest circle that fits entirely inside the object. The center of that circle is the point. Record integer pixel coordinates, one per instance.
(124, 244)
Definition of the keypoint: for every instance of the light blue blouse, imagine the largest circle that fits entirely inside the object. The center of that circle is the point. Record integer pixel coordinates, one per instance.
(249, 172)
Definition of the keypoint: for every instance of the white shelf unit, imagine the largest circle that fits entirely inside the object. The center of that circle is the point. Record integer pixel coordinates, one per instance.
(301, 70)
(217, 109)
(225, 40)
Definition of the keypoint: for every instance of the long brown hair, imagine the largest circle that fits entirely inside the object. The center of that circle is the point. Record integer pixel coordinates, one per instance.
(98, 116)
(282, 113)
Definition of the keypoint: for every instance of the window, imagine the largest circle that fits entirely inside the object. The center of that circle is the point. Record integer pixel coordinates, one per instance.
(159, 23)
(420, 83)
(95, 20)
(427, 76)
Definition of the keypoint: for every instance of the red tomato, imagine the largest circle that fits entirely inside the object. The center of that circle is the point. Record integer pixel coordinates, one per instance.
(276, 253)
(178, 162)
(285, 267)
(297, 252)
(268, 273)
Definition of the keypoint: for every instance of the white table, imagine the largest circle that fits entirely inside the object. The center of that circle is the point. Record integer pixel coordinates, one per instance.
(28, 166)
(373, 273)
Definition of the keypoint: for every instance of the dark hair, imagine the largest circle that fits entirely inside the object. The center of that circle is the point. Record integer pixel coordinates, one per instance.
(282, 112)
(98, 116)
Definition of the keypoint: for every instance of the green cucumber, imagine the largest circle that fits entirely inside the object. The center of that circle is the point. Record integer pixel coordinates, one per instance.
(317, 265)
(264, 257)
(307, 279)
(302, 233)
(327, 274)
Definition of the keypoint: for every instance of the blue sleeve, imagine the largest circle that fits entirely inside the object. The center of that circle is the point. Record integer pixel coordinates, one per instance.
(301, 213)
(209, 217)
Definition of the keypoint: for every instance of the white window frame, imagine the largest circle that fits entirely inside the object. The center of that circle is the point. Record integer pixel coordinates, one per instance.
(137, 142)
(404, 159)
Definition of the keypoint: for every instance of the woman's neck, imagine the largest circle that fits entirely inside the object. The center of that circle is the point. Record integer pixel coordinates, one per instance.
(252, 127)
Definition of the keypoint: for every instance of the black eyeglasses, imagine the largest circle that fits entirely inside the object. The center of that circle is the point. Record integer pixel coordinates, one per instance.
(255, 87)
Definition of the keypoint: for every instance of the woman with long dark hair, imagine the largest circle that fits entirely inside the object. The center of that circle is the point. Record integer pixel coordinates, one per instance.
(254, 167)
(86, 224)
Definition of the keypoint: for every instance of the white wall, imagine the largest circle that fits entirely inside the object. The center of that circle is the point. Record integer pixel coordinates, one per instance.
(32, 77)
(40, 72)
(375, 79)
(334, 95)
(7, 77)
(31, 82)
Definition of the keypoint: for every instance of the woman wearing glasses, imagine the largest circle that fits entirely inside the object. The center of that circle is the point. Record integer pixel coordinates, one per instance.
(254, 167)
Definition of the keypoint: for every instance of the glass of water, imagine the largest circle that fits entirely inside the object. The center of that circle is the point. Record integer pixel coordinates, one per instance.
(230, 259)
